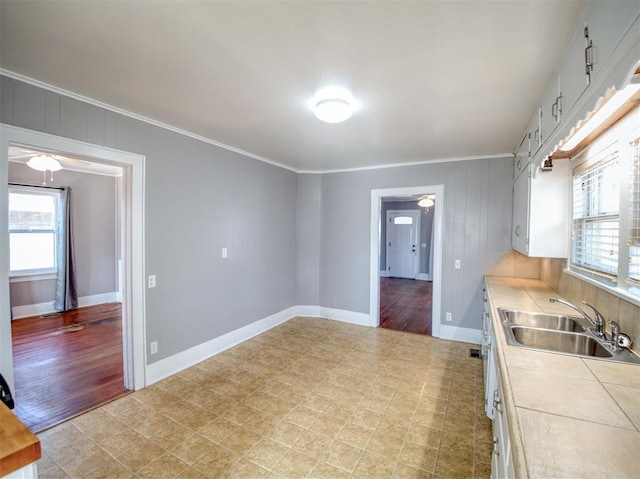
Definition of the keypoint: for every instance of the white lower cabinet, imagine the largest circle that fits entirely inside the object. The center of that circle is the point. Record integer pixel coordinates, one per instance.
(501, 462)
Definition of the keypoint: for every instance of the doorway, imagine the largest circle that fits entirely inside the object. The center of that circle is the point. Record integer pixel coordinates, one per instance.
(132, 232)
(428, 298)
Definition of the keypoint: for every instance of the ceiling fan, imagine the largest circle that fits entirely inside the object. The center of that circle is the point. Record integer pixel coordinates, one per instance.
(43, 161)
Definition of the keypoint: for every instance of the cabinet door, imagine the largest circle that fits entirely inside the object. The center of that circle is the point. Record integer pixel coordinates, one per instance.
(549, 117)
(607, 23)
(522, 156)
(573, 78)
(520, 223)
(534, 128)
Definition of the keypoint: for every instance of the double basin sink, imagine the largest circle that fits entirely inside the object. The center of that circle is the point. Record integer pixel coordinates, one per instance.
(559, 333)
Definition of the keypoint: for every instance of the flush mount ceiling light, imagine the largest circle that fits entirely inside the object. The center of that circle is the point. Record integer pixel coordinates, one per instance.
(333, 105)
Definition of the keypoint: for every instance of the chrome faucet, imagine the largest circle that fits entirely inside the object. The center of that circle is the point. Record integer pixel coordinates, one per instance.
(598, 323)
(615, 333)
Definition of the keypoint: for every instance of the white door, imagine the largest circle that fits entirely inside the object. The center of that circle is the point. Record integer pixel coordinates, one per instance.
(403, 228)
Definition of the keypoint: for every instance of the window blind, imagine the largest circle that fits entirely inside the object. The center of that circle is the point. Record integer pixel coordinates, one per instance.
(596, 216)
(634, 234)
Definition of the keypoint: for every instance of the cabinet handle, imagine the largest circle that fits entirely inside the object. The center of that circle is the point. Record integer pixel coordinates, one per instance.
(497, 401)
(518, 164)
(588, 57)
(518, 230)
(554, 109)
(495, 446)
(559, 105)
(536, 135)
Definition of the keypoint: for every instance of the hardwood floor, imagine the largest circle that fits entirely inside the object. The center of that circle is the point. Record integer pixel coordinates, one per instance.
(405, 305)
(67, 363)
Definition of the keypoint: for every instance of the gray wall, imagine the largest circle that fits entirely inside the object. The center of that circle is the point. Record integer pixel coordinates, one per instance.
(309, 238)
(477, 222)
(94, 225)
(199, 198)
(426, 225)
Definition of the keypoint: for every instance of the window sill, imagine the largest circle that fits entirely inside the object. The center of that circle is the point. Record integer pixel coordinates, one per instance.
(614, 291)
(24, 277)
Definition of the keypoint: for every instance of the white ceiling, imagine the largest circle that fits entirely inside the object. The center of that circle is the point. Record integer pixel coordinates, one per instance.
(435, 80)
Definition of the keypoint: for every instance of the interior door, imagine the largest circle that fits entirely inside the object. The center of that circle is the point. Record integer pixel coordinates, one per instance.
(403, 228)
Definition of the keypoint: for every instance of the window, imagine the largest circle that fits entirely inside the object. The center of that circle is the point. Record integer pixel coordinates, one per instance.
(402, 220)
(605, 241)
(32, 230)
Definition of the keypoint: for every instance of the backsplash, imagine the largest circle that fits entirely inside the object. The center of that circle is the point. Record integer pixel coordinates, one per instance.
(574, 290)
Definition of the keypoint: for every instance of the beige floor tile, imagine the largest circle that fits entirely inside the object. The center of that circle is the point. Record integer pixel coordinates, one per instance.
(241, 440)
(310, 397)
(109, 470)
(217, 462)
(286, 433)
(313, 444)
(191, 473)
(267, 453)
(166, 466)
(452, 466)
(192, 448)
(418, 456)
(404, 471)
(295, 465)
(355, 435)
(343, 456)
(218, 429)
(245, 469)
(372, 465)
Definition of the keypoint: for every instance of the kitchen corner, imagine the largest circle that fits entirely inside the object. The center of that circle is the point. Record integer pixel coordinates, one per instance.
(568, 416)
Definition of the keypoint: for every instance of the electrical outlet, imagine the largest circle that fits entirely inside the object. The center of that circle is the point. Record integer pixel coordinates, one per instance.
(447, 316)
(458, 264)
(225, 253)
(154, 347)
(152, 280)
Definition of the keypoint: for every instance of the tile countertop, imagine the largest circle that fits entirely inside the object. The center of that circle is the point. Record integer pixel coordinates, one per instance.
(568, 417)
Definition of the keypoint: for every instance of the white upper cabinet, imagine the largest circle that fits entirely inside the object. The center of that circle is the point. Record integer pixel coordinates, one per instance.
(549, 116)
(574, 77)
(522, 156)
(607, 23)
(540, 211)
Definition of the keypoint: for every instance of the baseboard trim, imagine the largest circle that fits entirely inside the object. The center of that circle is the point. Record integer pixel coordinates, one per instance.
(178, 362)
(343, 315)
(424, 277)
(464, 335)
(383, 273)
(28, 310)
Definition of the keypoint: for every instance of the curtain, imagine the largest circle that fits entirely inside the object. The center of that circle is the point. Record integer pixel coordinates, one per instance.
(66, 288)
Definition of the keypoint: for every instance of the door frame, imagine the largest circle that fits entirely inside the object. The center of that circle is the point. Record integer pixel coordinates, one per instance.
(133, 254)
(375, 244)
(415, 214)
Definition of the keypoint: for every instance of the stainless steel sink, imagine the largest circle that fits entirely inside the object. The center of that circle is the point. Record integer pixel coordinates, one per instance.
(559, 341)
(560, 334)
(555, 322)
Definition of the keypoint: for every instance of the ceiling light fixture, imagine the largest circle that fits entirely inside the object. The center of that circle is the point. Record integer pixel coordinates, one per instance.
(426, 202)
(333, 105)
(44, 163)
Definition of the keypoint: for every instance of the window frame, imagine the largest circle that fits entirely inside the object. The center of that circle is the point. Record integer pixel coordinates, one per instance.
(35, 273)
(620, 136)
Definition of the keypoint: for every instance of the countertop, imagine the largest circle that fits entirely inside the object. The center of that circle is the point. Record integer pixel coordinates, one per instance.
(568, 417)
(18, 445)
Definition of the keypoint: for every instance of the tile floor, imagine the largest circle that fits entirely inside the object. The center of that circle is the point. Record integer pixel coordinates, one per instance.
(310, 398)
